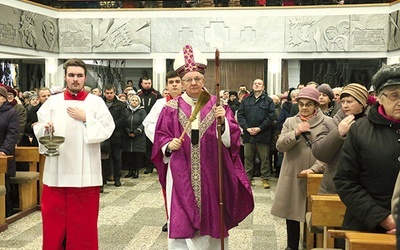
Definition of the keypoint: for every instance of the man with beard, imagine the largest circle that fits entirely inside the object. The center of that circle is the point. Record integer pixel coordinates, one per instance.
(71, 181)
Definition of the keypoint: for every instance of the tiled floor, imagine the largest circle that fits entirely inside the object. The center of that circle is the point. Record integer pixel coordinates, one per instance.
(132, 215)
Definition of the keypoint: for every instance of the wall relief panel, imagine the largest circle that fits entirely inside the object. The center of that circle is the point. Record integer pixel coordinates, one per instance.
(394, 30)
(369, 32)
(317, 34)
(336, 33)
(241, 34)
(28, 30)
(109, 35)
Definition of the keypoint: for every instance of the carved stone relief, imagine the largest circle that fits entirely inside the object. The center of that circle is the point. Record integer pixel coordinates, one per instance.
(369, 32)
(109, 35)
(75, 35)
(240, 34)
(336, 33)
(394, 30)
(317, 33)
(229, 34)
(28, 30)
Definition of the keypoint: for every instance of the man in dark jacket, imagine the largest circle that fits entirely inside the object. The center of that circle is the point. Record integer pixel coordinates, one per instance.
(148, 96)
(43, 94)
(369, 163)
(256, 114)
(117, 110)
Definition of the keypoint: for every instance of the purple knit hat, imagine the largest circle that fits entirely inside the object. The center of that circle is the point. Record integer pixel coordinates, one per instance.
(309, 93)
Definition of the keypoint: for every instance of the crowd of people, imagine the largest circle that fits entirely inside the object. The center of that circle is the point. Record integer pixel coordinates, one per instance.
(350, 134)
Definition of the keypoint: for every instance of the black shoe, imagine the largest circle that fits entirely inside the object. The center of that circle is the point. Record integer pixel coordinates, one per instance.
(257, 174)
(148, 171)
(165, 228)
(135, 174)
(129, 174)
(101, 189)
(117, 183)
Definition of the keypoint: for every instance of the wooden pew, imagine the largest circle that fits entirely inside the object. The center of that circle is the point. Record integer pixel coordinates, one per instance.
(327, 212)
(313, 184)
(3, 171)
(30, 154)
(360, 240)
(27, 182)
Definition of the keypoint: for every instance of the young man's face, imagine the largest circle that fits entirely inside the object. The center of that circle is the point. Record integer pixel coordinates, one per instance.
(75, 79)
(174, 86)
(146, 84)
(109, 94)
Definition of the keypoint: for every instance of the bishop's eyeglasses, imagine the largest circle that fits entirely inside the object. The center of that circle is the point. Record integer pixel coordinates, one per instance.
(190, 80)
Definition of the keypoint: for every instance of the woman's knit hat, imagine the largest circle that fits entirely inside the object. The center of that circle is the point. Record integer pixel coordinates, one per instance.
(135, 97)
(388, 75)
(356, 90)
(3, 92)
(327, 90)
(310, 93)
(33, 95)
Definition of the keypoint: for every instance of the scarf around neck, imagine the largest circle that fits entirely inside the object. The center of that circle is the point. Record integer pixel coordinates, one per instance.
(381, 111)
(304, 119)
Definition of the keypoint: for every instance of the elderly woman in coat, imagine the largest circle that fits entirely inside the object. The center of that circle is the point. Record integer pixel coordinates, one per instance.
(369, 161)
(295, 141)
(134, 142)
(329, 142)
(9, 127)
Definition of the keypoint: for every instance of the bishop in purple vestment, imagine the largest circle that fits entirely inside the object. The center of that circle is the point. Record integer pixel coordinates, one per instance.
(188, 168)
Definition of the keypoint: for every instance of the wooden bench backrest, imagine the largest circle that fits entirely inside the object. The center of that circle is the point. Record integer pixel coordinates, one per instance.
(27, 154)
(327, 210)
(313, 184)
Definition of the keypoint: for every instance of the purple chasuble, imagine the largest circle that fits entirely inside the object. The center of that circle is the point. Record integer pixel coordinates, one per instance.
(194, 168)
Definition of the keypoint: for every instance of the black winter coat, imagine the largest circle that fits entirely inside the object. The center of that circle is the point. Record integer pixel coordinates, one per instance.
(9, 126)
(283, 115)
(134, 124)
(148, 97)
(369, 165)
(117, 111)
(257, 113)
(30, 119)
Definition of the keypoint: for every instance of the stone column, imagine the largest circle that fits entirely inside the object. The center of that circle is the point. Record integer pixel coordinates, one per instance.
(159, 72)
(51, 72)
(393, 60)
(273, 84)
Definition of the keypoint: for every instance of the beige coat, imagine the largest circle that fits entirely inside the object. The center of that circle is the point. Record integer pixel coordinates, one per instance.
(290, 196)
(396, 199)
